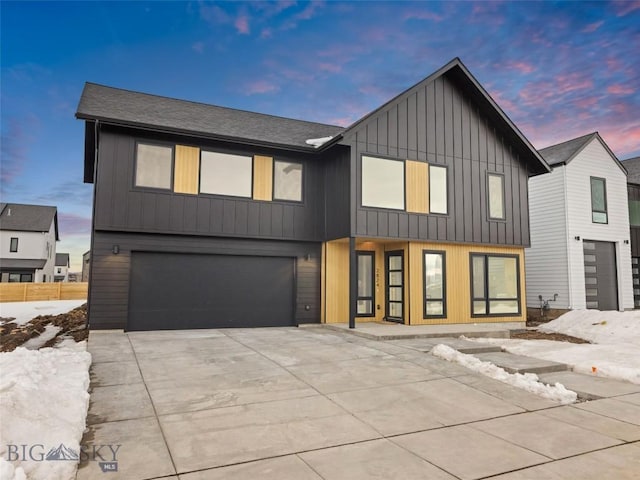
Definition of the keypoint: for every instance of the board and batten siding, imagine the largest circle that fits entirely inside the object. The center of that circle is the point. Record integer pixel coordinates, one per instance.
(595, 161)
(546, 262)
(122, 207)
(110, 273)
(438, 123)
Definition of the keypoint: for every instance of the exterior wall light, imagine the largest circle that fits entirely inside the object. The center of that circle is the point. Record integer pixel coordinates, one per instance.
(116, 249)
(577, 237)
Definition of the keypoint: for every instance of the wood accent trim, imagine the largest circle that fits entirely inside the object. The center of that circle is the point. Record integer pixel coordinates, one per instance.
(458, 283)
(417, 179)
(336, 291)
(186, 177)
(262, 178)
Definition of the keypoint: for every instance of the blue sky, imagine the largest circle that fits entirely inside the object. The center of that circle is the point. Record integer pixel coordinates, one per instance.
(558, 69)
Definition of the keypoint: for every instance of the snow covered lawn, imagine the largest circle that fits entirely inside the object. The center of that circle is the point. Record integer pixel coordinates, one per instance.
(25, 311)
(614, 353)
(43, 401)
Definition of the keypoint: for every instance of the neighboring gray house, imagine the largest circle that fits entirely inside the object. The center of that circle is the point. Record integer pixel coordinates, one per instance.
(633, 191)
(61, 269)
(28, 236)
(580, 229)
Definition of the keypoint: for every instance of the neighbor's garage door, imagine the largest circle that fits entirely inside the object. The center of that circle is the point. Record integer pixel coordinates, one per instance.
(600, 277)
(179, 291)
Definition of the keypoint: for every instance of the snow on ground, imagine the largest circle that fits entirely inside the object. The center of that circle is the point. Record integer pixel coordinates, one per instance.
(43, 397)
(526, 381)
(614, 353)
(598, 327)
(25, 311)
(44, 404)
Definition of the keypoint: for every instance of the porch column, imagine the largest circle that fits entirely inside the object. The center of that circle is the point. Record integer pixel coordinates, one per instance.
(353, 282)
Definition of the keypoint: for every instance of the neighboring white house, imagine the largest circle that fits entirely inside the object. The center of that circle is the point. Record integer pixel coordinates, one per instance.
(28, 236)
(579, 222)
(61, 268)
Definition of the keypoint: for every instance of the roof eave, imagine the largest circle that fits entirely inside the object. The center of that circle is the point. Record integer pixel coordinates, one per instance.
(191, 133)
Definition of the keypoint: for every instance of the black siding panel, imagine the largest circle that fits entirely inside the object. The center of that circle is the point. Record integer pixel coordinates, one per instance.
(438, 122)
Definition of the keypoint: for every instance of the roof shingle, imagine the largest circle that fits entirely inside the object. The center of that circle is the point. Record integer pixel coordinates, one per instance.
(27, 218)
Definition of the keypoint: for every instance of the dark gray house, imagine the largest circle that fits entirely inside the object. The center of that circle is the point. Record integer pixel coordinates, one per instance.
(633, 191)
(208, 217)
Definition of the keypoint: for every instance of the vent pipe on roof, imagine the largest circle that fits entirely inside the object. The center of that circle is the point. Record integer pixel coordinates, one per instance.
(8, 212)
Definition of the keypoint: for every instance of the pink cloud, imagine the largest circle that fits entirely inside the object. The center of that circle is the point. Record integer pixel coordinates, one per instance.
(242, 24)
(330, 67)
(260, 87)
(198, 47)
(592, 27)
(266, 33)
(71, 223)
(624, 7)
(507, 105)
(623, 141)
(422, 15)
(520, 66)
(572, 82)
(618, 89)
(586, 102)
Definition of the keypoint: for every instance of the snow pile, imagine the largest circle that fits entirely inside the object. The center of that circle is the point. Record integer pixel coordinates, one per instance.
(26, 311)
(317, 142)
(526, 381)
(44, 404)
(608, 327)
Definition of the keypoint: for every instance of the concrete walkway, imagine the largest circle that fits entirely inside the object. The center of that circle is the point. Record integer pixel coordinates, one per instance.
(315, 403)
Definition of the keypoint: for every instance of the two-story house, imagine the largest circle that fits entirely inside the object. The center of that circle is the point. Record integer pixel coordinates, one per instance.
(28, 236)
(580, 246)
(61, 268)
(632, 165)
(210, 217)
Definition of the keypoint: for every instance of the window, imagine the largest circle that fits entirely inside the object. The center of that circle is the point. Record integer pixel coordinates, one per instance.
(495, 285)
(13, 247)
(434, 284)
(366, 297)
(382, 183)
(634, 213)
(225, 174)
(153, 166)
(495, 182)
(287, 181)
(437, 189)
(598, 200)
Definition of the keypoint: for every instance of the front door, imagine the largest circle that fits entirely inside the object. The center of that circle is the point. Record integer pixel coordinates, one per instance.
(394, 264)
(600, 275)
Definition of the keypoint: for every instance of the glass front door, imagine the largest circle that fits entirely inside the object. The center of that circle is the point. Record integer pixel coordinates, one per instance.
(395, 286)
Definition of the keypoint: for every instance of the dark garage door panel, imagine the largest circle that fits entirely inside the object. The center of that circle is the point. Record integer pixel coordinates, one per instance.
(179, 291)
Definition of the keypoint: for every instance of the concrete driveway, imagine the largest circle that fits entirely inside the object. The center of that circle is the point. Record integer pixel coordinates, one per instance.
(312, 403)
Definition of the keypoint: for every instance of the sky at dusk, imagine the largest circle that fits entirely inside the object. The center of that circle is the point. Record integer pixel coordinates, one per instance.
(558, 69)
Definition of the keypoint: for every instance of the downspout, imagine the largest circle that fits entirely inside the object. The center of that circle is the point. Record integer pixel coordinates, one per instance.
(567, 236)
(93, 218)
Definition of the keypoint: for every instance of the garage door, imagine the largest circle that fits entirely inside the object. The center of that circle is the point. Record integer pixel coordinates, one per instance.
(179, 291)
(600, 277)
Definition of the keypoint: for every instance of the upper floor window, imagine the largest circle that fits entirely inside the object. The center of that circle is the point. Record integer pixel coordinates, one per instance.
(13, 245)
(225, 174)
(437, 189)
(153, 166)
(598, 200)
(495, 188)
(382, 183)
(287, 181)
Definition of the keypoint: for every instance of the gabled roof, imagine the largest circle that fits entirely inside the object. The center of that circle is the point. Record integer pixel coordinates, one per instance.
(28, 218)
(564, 152)
(135, 109)
(632, 166)
(456, 71)
(62, 259)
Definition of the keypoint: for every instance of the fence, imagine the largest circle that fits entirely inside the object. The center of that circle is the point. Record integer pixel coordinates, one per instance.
(30, 292)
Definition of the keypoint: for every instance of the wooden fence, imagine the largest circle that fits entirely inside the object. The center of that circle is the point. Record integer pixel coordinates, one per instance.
(30, 292)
